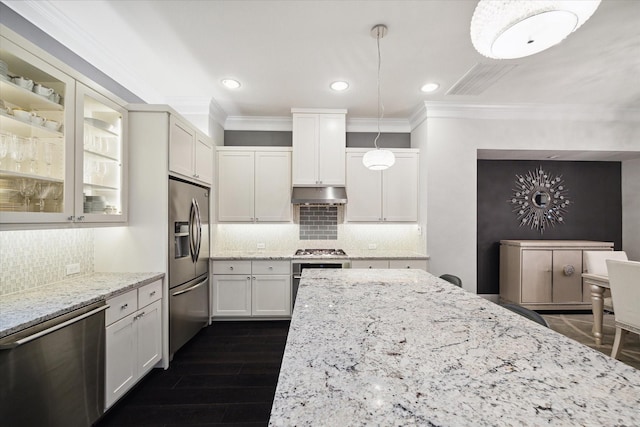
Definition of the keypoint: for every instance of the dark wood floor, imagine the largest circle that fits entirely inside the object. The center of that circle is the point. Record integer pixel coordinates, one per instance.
(226, 376)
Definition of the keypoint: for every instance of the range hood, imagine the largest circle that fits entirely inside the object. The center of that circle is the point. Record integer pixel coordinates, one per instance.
(319, 195)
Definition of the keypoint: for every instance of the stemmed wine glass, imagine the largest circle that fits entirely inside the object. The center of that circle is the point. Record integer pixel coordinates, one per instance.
(31, 153)
(42, 192)
(4, 147)
(47, 155)
(27, 188)
(56, 191)
(17, 152)
(99, 170)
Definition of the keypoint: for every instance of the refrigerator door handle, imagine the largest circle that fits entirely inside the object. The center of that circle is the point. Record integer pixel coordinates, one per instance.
(192, 224)
(199, 224)
(191, 288)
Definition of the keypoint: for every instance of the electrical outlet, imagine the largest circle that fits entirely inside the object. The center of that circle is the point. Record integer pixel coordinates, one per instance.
(373, 246)
(261, 246)
(72, 269)
(419, 231)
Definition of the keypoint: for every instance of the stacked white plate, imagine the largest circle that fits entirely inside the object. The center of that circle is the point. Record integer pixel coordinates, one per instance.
(93, 204)
(3, 70)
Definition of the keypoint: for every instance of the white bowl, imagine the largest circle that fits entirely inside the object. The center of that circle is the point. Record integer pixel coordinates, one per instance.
(52, 124)
(22, 115)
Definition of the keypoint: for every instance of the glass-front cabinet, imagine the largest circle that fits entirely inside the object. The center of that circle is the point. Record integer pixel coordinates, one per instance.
(100, 172)
(36, 131)
(62, 145)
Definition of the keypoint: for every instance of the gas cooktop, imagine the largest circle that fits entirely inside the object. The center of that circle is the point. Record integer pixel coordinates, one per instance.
(320, 252)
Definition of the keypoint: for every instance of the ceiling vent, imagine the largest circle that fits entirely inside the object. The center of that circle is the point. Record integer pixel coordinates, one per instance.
(479, 78)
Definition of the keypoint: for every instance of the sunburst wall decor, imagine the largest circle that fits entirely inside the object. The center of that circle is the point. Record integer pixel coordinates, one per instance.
(539, 199)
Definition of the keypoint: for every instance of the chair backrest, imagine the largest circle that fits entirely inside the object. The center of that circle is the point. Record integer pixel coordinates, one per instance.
(624, 280)
(452, 279)
(525, 312)
(596, 260)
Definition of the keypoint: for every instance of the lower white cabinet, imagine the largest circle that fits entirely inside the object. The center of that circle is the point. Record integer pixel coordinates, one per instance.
(133, 338)
(251, 289)
(420, 264)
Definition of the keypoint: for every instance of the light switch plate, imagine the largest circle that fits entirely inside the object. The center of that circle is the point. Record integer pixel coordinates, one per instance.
(72, 269)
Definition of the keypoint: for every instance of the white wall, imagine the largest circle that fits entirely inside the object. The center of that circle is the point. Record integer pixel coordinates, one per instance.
(449, 140)
(631, 208)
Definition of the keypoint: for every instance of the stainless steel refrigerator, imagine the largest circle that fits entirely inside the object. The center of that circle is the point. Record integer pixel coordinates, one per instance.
(188, 261)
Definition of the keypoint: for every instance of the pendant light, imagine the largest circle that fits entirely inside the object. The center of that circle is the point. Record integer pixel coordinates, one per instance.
(507, 29)
(378, 159)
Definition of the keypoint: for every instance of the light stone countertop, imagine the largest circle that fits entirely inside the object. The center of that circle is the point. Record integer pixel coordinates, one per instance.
(21, 310)
(289, 255)
(402, 347)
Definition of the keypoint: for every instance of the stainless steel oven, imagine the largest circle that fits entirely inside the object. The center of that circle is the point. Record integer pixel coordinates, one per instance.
(298, 265)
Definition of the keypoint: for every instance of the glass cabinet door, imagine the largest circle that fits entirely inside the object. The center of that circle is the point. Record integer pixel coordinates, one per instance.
(36, 139)
(100, 160)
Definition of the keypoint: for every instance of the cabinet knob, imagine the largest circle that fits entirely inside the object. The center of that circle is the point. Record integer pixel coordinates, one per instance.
(248, 278)
(370, 266)
(70, 218)
(231, 268)
(408, 266)
(568, 270)
(124, 306)
(152, 293)
(81, 218)
(270, 268)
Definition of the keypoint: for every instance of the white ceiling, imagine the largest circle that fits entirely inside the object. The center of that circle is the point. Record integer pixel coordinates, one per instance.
(285, 53)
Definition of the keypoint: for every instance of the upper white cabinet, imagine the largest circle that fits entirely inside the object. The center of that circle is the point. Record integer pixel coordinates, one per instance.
(390, 195)
(62, 145)
(190, 152)
(254, 185)
(319, 142)
(100, 158)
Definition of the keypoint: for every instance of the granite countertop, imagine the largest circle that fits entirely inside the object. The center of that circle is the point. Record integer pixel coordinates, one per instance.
(21, 310)
(402, 347)
(289, 255)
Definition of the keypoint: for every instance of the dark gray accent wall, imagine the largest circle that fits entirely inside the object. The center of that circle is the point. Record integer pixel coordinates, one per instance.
(14, 21)
(284, 139)
(258, 138)
(595, 212)
(386, 140)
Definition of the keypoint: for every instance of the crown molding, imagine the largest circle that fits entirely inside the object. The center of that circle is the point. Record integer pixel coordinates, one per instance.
(371, 125)
(48, 18)
(264, 123)
(577, 112)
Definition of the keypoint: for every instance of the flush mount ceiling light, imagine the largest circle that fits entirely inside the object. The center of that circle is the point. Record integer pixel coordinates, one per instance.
(339, 86)
(378, 159)
(430, 87)
(507, 29)
(231, 83)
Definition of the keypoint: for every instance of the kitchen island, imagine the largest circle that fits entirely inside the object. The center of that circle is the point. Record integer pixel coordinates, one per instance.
(402, 347)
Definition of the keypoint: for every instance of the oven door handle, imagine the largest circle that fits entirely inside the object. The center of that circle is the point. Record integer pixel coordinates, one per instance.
(297, 277)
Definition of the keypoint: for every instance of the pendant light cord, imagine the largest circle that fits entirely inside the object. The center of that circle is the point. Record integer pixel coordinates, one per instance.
(380, 104)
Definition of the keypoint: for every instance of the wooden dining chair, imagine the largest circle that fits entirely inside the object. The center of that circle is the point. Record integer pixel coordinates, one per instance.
(596, 263)
(624, 280)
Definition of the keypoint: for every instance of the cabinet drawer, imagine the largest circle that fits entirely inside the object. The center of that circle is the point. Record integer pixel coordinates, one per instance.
(149, 293)
(408, 263)
(232, 267)
(121, 306)
(271, 267)
(370, 263)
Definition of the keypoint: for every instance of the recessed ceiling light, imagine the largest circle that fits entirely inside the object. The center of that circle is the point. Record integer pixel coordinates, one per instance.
(231, 84)
(339, 86)
(430, 87)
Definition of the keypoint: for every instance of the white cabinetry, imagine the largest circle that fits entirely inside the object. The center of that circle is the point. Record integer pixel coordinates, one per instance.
(63, 147)
(190, 152)
(545, 274)
(390, 195)
(420, 264)
(254, 185)
(251, 288)
(133, 338)
(319, 142)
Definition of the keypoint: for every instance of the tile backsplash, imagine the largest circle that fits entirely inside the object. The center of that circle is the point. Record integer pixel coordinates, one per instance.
(318, 223)
(33, 258)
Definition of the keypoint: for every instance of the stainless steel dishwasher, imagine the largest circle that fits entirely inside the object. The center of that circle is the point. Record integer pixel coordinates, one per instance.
(52, 374)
